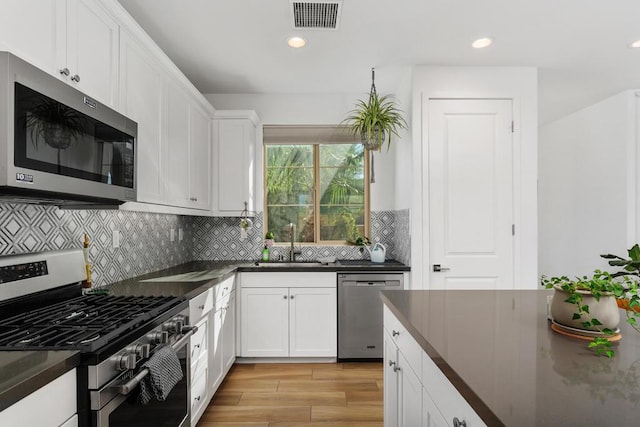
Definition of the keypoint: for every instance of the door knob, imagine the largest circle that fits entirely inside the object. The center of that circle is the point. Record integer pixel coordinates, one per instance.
(438, 267)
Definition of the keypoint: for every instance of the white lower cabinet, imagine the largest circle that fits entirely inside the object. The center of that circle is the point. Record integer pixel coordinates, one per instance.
(416, 392)
(55, 402)
(402, 389)
(288, 315)
(200, 343)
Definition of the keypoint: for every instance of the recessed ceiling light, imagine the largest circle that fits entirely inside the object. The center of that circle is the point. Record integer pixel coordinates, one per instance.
(296, 42)
(635, 44)
(483, 42)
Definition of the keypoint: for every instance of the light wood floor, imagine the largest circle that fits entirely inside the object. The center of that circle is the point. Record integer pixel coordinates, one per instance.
(292, 395)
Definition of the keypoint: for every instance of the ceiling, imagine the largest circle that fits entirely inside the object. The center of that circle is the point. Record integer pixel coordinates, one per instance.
(580, 47)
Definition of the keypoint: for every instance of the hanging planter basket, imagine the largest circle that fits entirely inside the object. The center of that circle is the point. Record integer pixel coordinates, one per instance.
(375, 121)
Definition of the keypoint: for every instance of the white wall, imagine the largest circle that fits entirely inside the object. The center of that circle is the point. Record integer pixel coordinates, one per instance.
(403, 148)
(516, 83)
(587, 190)
(315, 109)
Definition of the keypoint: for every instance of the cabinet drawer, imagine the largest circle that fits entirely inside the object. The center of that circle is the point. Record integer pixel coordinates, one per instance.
(294, 279)
(198, 394)
(224, 288)
(444, 395)
(198, 341)
(200, 306)
(409, 348)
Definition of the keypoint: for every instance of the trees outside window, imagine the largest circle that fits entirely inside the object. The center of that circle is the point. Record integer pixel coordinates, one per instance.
(321, 188)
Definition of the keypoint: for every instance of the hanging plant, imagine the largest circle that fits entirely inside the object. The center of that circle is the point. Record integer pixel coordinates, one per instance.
(377, 120)
(56, 124)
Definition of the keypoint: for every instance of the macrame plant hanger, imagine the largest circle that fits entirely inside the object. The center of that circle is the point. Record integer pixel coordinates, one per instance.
(372, 145)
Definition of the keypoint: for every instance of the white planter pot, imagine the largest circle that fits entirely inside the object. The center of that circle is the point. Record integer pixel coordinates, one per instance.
(605, 310)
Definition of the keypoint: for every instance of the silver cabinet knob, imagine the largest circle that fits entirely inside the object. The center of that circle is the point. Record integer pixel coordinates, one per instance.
(396, 368)
(395, 333)
(64, 71)
(285, 297)
(76, 78)
(201, 307)
(197, 398)
(391, 363)
(458, 423)
(291, 297)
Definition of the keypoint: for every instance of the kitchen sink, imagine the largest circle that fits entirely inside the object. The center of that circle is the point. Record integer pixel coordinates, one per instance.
(290, 264)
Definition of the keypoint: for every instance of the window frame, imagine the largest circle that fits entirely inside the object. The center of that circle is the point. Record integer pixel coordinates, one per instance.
(316, 176)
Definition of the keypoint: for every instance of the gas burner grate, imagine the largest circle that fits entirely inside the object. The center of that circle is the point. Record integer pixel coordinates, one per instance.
(84, 323)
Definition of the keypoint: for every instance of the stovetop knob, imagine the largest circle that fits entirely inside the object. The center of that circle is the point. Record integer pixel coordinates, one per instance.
(126, 362)
(159, 337)
(141, 350)
(175, 325)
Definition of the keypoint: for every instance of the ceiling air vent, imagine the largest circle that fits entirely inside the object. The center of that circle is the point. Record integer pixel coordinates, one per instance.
(316, 15)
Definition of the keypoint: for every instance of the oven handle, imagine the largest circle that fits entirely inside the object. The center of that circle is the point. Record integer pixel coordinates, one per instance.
(133, 382)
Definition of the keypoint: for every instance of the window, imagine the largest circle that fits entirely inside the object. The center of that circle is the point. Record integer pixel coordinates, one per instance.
(315, 178)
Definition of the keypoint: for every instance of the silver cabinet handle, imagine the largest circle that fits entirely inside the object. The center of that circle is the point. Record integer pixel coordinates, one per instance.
(197, 399)
(76, 78)
(391, 363)
(395, 333)
(64, 71)
(201, 307)
(438, 268)
(285, 297)
(458, 423)
(396, 368)
(292, 296)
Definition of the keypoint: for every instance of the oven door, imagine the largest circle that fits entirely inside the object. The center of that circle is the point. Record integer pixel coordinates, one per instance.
(123, 410)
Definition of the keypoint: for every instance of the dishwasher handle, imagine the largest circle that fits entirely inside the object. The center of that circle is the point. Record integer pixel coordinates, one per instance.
(372, 283)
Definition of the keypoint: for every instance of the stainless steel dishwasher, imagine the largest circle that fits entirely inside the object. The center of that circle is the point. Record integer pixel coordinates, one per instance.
(360, 312)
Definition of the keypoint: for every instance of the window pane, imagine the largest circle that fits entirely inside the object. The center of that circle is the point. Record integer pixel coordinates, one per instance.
(279, 218)
(290, 184)
(289, 155)
(341, 223)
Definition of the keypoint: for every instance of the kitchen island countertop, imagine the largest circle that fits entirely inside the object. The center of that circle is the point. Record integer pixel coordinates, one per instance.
(497, 349)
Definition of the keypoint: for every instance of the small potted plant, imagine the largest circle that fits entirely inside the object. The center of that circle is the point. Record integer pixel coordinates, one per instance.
(590, 304)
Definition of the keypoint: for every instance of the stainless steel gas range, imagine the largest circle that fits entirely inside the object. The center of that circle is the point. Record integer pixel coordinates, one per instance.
(42, 308)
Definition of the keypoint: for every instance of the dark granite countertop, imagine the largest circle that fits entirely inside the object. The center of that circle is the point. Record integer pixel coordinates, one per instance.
(497, 348)
(23, 372)
(192, 278)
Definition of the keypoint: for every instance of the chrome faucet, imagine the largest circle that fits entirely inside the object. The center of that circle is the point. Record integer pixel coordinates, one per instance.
(292, 235)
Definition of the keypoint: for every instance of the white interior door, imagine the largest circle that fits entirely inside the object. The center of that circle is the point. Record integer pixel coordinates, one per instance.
(470, 194)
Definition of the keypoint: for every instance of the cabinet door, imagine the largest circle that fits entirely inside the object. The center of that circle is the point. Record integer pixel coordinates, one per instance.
(390, 382)
(36, 42)
(200, 160)
(313, 328)
(229, 334)
(142, 97)
(234, 165)
(177, 167)
(410, 397)
(216, 372)
(92, 50)
(431, 416)
(264, 322)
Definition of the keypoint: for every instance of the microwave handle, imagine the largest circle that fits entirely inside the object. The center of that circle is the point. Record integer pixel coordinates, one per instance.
(133, 382)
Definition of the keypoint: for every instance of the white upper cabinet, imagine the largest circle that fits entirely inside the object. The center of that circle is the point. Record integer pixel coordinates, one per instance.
(234, 145)
(34, 41)
(92, 50)
(142, 98)
(74, 40)
(178, 140)
(200, 160)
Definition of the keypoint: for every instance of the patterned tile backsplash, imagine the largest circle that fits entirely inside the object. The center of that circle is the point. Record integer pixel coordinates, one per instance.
(219, 239)
(145, 243)
(144, 237)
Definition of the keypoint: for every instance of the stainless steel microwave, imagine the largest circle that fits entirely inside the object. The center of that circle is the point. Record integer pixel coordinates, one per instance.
(59, 146)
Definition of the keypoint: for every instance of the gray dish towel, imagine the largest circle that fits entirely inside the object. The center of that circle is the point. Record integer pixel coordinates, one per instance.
(164, 373)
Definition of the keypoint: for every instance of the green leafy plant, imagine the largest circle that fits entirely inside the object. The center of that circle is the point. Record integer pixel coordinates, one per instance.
(630, 266)
(269, 235)
(375, 121)
(602, 283)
